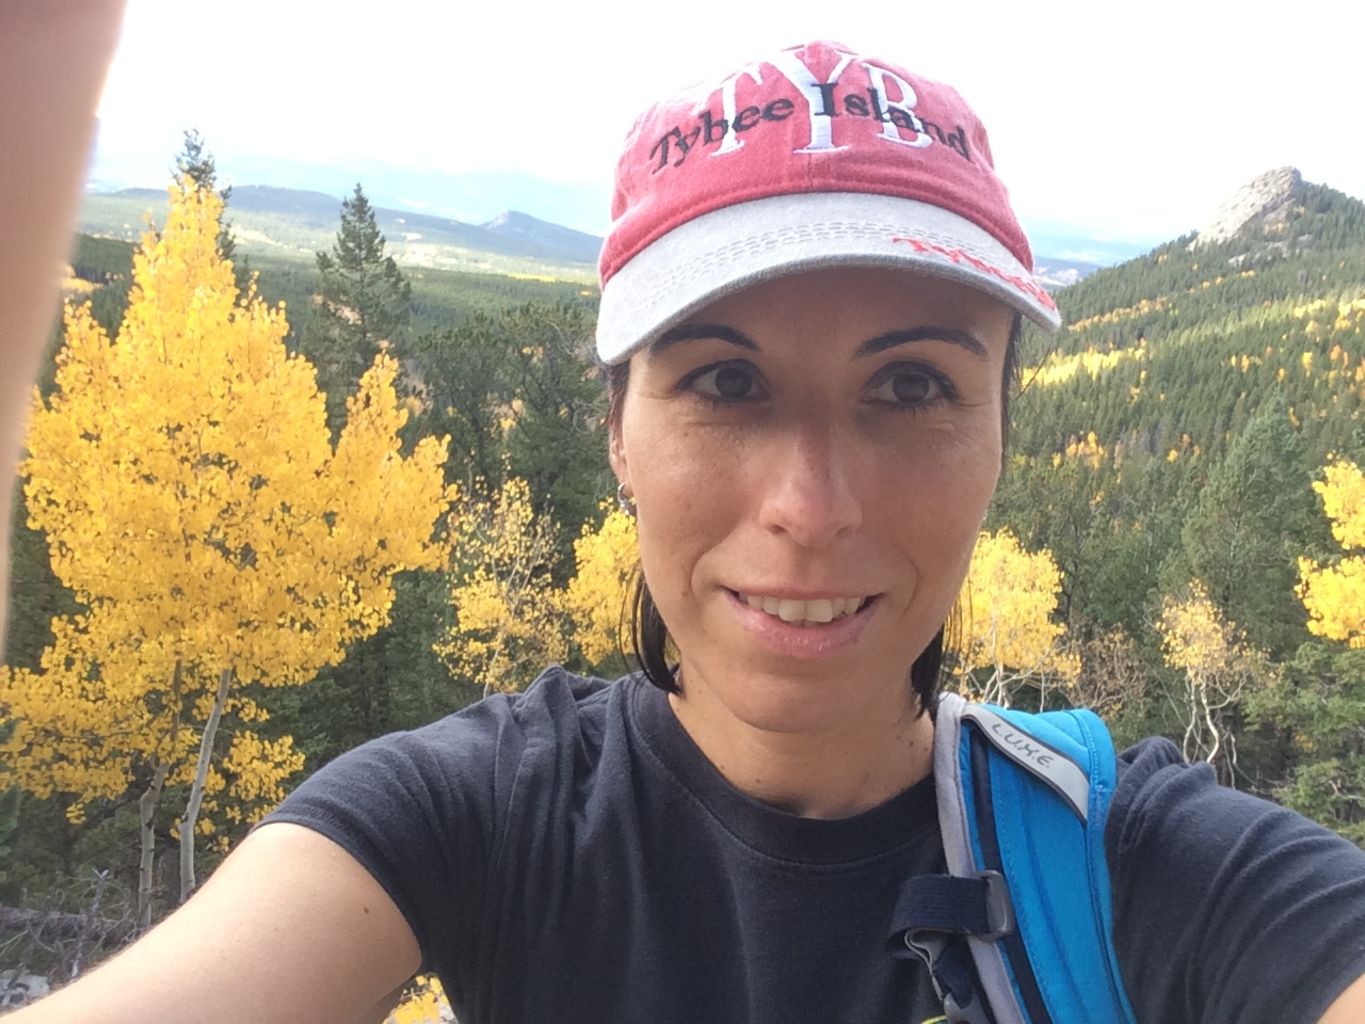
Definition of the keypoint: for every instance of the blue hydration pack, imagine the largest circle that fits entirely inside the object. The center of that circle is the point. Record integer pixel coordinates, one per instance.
(1022, 803)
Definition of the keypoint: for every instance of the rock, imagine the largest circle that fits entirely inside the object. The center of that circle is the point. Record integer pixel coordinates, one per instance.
(1268, 201)
(21, 989)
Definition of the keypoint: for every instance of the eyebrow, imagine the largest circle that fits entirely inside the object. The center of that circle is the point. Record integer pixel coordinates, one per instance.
(928, 332)
(696, 332)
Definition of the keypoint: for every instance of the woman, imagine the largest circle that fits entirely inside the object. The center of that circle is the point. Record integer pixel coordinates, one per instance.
(811, 293)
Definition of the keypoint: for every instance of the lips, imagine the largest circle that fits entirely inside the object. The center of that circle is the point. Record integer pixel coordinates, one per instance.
(813, 612)
(805, 636)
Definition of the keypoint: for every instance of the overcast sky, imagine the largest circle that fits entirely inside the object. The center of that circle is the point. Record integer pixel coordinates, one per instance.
(1128, 119)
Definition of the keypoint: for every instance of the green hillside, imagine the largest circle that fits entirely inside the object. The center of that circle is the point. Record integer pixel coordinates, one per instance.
(1172, 432)
(441, 297)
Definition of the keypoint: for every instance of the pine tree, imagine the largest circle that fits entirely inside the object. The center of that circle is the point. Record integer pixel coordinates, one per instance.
(196, 161)
(362, 305)
(1242, 535)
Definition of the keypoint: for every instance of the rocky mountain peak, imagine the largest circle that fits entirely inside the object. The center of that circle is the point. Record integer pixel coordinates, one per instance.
(1267, 200)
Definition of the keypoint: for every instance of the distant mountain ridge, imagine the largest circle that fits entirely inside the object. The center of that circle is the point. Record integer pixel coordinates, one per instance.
(417, 211)
(1267, 201)
(301, 222)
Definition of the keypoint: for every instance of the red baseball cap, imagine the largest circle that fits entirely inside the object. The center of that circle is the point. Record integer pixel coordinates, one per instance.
(812, 157)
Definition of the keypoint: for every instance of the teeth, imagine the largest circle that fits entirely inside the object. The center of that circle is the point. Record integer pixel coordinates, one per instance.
(819, 611)
(807, 613)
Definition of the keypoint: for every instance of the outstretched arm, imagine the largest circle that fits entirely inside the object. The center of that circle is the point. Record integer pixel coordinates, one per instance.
(1349, 1007)
(289, 928)
(53, 57)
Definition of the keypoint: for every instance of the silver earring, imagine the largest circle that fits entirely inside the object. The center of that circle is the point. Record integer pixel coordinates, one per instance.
(625, 502)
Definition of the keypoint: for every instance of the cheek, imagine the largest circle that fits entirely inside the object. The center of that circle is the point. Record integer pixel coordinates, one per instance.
(682, 503)
(935, 498)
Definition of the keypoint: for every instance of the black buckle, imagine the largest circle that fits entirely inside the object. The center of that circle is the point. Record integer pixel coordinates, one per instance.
(999, 910)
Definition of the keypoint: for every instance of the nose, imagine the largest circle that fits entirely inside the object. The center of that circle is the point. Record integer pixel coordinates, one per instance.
(808, 487)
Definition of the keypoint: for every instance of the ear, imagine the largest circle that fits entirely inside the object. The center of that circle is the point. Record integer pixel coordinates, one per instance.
(616, 453)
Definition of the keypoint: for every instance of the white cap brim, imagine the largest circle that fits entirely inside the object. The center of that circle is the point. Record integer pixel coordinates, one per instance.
(732, 248)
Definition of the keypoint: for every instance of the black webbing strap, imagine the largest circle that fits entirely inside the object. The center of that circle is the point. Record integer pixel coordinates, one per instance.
(934, 914)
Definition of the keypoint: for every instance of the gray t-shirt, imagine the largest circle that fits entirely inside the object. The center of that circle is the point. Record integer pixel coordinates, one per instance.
(569, 855)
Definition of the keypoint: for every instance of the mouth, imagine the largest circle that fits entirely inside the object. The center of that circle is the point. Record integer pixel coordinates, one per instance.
(805, 613)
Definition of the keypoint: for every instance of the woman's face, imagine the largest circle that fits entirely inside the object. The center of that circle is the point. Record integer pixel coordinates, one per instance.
(811, 460)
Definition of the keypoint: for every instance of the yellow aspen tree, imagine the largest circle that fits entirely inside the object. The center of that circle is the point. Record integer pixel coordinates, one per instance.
(1334, 595)
(192, 500)
(509, 619)
(1218, 668)
(606, 561)
(1006, 608)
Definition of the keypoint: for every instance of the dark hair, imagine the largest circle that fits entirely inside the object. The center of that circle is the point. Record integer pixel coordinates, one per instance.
(649, 634)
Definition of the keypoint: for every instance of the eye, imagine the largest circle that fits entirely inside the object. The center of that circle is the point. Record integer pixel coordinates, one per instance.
(910, 386)
(726, 382)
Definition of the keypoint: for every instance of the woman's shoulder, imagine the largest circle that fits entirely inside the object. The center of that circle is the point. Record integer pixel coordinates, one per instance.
(425, 811)
(493, 738)
(556, 703)
(1161, 796)
(1176, 813)
(1227, 906)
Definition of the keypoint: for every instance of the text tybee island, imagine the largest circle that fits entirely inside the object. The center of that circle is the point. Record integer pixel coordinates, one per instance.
(853, 89)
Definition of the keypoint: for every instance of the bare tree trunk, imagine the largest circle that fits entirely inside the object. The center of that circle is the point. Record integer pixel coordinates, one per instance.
(1191, 712)
(197, 788)
(1214, 733)
(146, 807)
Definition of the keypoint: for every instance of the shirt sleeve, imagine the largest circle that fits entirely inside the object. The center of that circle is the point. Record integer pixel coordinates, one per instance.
(417, 809)
(1227, 907)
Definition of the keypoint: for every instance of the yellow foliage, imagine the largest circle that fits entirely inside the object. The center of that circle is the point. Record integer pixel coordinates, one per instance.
(1335, 595)
(1058, 369)
(1217, 663)
(75, 285)
(510, 622)
(1195, 637)
(596, 597)
(1087, 450)
(1006, 608)
(1345, 316)
(425, 1005)
(193, 502)
(1122, 313)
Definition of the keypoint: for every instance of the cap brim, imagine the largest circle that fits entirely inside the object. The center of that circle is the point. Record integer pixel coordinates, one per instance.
(730, 249)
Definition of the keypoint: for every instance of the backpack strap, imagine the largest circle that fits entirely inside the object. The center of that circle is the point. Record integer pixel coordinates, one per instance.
(1022, 805)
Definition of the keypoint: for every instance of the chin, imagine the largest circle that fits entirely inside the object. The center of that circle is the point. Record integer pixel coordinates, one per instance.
(804, 698)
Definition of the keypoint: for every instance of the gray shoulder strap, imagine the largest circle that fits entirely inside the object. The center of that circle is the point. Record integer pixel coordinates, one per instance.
(952, 821)
(1065, 776)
